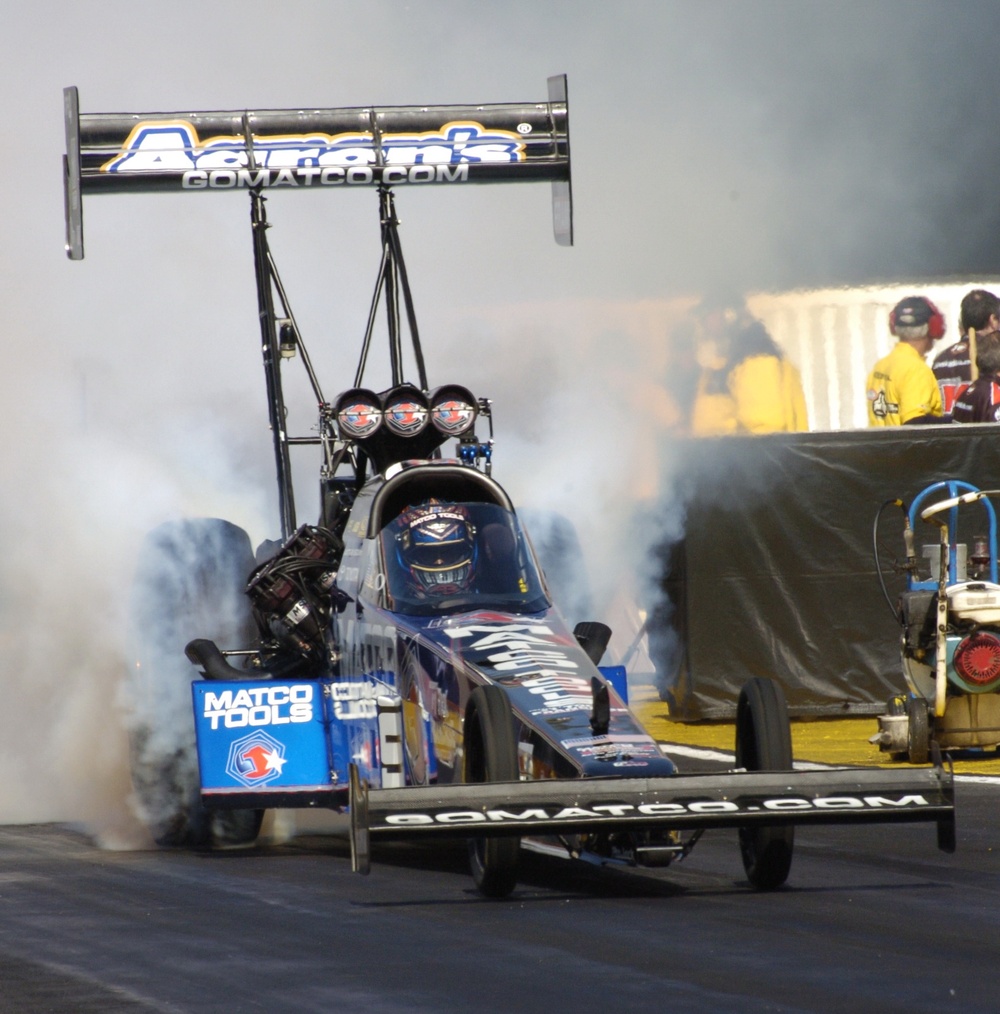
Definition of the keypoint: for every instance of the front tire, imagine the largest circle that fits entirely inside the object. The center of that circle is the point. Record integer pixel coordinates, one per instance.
(491, 756)
(764, 743)
(918, 730)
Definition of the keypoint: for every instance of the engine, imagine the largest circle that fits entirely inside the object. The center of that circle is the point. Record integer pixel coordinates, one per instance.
(292, 594)
(973, 633)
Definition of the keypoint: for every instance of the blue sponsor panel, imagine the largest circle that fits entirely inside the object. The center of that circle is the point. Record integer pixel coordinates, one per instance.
(618, 678)
(353, 729)
(262, 736)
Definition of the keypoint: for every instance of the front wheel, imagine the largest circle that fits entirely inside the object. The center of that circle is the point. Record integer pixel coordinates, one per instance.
(764, 743)
(918, 730)
(491, 756)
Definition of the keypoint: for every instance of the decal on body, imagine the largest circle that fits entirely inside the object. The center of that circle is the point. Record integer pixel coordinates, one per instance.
(255, 759)
(315, 159)
(353, 701)
(518, 652)
(259, 706)
(607, 811)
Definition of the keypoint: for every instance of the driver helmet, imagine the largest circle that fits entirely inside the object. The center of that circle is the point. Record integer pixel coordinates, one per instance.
(436, 547)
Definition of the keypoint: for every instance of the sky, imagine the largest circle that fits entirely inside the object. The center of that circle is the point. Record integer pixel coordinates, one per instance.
(749, 145)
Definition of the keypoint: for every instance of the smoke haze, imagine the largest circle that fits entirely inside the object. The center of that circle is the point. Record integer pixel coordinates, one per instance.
(756, 146)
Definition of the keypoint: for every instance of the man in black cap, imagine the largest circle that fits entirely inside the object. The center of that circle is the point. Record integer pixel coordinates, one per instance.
(954, 366)
(902, 388)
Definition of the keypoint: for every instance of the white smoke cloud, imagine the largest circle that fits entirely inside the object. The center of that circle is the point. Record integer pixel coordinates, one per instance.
(80, 502)
(752, 145)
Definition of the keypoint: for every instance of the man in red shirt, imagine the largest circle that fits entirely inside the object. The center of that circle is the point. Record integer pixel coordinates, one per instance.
(953, 366)
(980, 401)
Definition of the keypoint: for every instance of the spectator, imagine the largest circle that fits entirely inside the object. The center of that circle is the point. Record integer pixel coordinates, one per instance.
(902, 388)
(747, 385)
(980, 401)
(954, 366)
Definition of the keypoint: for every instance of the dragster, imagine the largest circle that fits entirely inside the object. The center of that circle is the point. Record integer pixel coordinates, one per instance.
(403, 658)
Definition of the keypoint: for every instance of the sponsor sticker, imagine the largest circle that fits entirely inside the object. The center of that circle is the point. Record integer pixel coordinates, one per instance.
(611, 810)
(255, 759)
(267, 704)
(622, 742)
(313, 159)
(623, 751)
(353, 701)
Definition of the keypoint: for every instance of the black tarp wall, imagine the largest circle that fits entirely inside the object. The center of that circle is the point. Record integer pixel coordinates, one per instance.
(775, 575)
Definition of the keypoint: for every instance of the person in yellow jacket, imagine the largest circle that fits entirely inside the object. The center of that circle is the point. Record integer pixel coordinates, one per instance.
(747, 385)
(902, 387)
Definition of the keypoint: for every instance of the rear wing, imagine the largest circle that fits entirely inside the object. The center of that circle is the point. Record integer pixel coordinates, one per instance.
(314, 149)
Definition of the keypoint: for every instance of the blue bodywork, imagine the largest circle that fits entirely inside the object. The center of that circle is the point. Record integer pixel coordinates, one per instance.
(290, 743)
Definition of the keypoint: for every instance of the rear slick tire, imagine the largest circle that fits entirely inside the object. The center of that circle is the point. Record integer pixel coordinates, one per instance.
(189, 581)
(491, 756)
(764, 743)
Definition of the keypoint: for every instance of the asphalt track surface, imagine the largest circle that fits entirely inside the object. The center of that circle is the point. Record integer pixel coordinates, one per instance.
(872, 918)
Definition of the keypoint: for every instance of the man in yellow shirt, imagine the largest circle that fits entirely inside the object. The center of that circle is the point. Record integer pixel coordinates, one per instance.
(747, 384)
(902, 387)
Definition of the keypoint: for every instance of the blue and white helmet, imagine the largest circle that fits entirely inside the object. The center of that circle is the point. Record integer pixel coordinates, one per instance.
(436, 547)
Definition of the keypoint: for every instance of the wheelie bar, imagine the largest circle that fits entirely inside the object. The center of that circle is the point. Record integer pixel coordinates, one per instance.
(728, 799)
